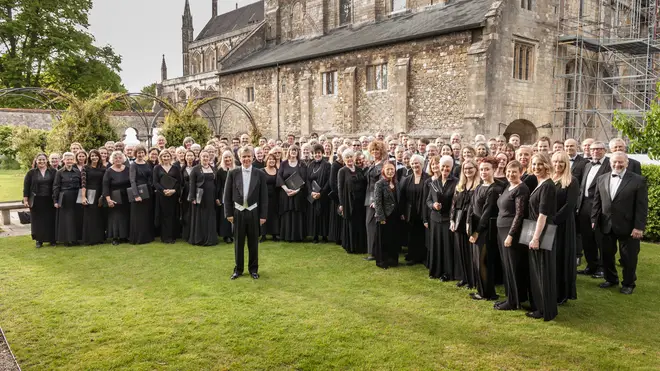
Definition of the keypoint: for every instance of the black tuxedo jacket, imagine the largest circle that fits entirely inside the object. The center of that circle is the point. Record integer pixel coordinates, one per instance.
(604, 168)
(257, 193)
(634, 166)
(626, 211)
(577, 170)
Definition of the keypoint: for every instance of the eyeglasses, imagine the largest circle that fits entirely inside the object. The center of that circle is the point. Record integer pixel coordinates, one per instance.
(469, 168)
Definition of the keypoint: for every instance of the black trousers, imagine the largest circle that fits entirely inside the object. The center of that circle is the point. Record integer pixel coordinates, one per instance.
(592, 240)
(629, 249)
(246, 226)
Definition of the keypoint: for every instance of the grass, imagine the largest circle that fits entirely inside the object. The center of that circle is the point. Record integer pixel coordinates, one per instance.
(11, 185)
(315, 307)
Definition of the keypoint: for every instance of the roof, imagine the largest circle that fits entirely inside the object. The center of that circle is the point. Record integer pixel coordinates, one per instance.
(234, 20)
(456, 16)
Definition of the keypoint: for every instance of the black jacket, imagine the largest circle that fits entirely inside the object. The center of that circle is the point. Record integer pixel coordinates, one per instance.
(604, 168)
(257, 193)
(628, 209)
(385, 200)
(444, 195)
(577, 169)
(634, 166)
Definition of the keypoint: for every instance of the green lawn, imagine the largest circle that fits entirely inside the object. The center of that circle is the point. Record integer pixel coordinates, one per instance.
(11, 185)
(315, 307)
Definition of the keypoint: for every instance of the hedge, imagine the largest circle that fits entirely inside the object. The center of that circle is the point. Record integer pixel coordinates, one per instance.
(652, 175)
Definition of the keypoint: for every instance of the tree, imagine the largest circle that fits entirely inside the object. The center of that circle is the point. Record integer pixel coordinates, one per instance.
(185, 122)
(84, 121)
(46, 43)
(28, 143)
(143, 103)
(643, 138)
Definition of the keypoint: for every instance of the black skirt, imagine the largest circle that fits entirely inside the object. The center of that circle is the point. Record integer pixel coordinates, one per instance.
(69, 218)
(224, 226)
(441, 251)
(272, 225)
(386, 250)
(168, 217)
(543, 282)
(372, 228)
(94, 222)
(335, 222)
(119, 221)
(515, 269)
(354, 236)
(142, 222)
(416, 241)
(43, 219)
(463, 256)
(186, 207)
(203, 225)
(318, 219)
(566, 245)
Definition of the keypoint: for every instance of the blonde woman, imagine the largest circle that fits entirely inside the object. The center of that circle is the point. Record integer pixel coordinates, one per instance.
(467, 183)
(65, 191)
(225, 165)
(567, 188)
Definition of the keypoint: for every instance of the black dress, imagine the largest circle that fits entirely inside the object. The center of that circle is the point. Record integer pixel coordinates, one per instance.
(292, 209)
(352, 187)
(441, 241)
(94, 218)
(272, 225)
(462, 246)
(373, 174)
(482, 209)
(512, 205)
(566, 238)
(39, 189)
(119, 216)
(335, 220)
(186, 205)
(543, 263)
(69, 215)
(386, 251)
(414, 204)
(203, 225)
(142, 213)
(224, 226)
(317, 212)
(167, 207)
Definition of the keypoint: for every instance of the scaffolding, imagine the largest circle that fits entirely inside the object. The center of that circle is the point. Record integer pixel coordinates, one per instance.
(606, 59)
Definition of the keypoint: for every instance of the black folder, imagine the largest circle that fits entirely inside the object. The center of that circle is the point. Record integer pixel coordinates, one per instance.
(547, 239)
(294, 182)
(168, 182)
(143, 192)
(199, 195)
(115, 196)
(315, 188)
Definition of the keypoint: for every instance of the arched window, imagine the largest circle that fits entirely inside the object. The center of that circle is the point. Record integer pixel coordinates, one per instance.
(345, 12)
(183, 97)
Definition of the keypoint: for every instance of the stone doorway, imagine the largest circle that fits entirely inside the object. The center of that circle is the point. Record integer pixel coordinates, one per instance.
(526, 129)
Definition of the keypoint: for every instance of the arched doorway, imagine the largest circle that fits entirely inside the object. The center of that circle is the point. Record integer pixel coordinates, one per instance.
(524, 128)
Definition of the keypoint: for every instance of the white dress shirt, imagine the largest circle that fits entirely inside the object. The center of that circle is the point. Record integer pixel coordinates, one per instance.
(246, 173)
(590, 177)
(615, 182)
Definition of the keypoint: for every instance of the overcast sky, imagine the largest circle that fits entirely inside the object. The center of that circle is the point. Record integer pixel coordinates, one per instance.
(141, 31)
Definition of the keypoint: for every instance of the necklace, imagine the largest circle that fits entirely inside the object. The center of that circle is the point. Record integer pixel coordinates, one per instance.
(317, 170)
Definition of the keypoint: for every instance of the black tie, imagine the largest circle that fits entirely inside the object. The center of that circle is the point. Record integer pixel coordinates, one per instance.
(616, 176)
(596, 162)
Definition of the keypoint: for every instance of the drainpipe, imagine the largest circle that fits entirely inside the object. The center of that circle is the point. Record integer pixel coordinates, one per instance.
(278, 101)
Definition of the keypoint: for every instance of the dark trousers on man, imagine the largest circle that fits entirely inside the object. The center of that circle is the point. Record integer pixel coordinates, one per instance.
(591, 239)
(629, 250)
(246, 226)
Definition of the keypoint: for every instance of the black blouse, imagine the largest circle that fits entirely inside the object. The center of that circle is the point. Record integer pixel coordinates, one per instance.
(92, 177)
(512, 205)
(116, 180)
(34, 184)
(566, 200)
(543, 200)
(483, 207)
(443, 194)
(66, 180)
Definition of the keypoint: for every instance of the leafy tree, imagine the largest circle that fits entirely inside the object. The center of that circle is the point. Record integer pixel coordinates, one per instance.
(6, 148)
(84, 121)
(28, 143)
(145, 104)
(46, 43)
(185, 122)
(644, 138)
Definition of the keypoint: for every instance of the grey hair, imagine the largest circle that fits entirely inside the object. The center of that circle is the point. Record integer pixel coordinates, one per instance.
(115, 154)
(348, 153)
(195, 145)
(68, 154)
(244, 150)
(619, 153)
(615, 140)
(446, 160)
(418, 158)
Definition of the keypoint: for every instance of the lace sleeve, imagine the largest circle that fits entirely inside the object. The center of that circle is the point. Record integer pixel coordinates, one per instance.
(521, 205)
(83, 177)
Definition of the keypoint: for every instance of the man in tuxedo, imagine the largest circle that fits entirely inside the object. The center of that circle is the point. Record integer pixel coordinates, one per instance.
(578, 162)
(618, 145)
(246, 207)
(591, 238)
(586, 152)
(619, 211)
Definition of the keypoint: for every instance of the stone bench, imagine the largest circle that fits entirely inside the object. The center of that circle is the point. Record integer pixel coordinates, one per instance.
(7, 207)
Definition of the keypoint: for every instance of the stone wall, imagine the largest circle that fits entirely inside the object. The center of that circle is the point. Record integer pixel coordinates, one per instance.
(426, 92)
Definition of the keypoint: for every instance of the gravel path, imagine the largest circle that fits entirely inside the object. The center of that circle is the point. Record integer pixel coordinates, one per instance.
(7, 361)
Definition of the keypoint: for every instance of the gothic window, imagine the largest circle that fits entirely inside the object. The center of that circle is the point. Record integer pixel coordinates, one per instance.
(345, 11)
(523, 61)
(183, 97)
(398, 5)
(526, 4)
(196, 94)
(377, 77)
(249, 94)
(329, 82)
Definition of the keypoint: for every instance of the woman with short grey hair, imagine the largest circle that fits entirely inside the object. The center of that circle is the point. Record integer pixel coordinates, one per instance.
(351, 189)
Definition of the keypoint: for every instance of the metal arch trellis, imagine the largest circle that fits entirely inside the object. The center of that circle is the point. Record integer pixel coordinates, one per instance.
(47, 98)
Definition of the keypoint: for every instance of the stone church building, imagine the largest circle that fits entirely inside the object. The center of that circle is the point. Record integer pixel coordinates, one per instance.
(354, 67)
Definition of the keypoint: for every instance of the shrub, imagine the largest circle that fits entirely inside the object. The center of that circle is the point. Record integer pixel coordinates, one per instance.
(28, 143)
(652, 174)
(175, 131)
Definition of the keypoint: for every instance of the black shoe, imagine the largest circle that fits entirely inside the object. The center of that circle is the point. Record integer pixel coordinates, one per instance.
(461, 283)
(444, 278)
(598, 274)
(369, 258)
(53, 243)
(626, 290)
(315, 241)
(255, 275)
(115, 242)
(324, 239)
(587, 271)
(38, 244)
(227, 240)
(497, 303)
(411, 263)
(505, 306)
(476, 296)
(262, 239)
(433, 277)
(608, 284)
(535, 315)
(234, 276)
(276, 239)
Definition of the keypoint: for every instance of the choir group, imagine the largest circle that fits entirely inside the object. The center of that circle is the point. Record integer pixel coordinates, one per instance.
(494, 213)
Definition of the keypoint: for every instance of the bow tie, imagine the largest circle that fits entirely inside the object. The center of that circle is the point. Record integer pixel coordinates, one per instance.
(246, 170)
(616, 175)
(596, 163)
(572, 160)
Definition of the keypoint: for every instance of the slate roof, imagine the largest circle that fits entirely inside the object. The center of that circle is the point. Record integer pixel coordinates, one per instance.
(455, 16)
(234, 20)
